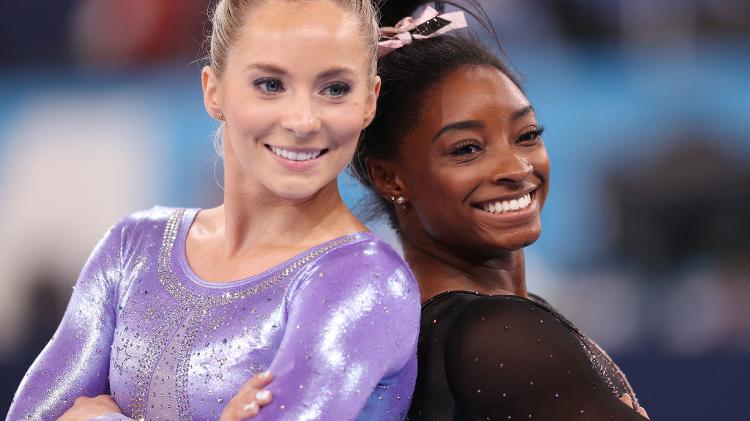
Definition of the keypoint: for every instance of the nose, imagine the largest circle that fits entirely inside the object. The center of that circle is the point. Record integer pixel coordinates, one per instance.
(511, 169)
(300, 118)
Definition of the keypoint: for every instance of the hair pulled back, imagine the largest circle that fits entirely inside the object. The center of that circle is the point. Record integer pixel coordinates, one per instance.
(407, 75)
(227, 17)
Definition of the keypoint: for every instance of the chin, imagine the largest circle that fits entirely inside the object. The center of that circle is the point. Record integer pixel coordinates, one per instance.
(517, 240)
(296, 189)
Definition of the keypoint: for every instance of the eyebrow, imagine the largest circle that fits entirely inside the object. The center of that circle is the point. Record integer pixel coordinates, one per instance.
(459, 125)
(272, 68)
(336, 71)
(515, 115)
(477, 124)
(266, 67)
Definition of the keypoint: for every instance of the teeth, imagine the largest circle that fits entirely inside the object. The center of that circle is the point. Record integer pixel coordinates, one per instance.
(295, 156)
(507, 205)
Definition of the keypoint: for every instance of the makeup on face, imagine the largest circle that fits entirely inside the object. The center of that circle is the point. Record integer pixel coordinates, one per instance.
(477, 151)
(296, 92)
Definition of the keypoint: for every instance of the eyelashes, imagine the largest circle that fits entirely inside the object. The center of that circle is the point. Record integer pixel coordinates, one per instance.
(466, 148)
(471, 148)
(272, 86)
(531, 135)
(269, 85)
(337, 89)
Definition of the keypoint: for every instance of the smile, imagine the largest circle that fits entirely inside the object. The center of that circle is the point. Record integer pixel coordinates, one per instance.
(508, 205)
(297, 155)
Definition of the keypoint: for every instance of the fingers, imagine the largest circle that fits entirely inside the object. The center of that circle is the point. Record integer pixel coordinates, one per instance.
(248, 401)
(104, 398)
(249, 410)
(260, 380)
(252, 390)
(263, 397)
(627, 400)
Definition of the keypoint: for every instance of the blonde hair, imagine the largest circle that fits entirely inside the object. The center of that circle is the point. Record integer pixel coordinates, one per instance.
(228, 16)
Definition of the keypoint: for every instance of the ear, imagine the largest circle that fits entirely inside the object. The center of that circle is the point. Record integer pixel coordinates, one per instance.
(385, 180)
(211, 97)
(372, 101)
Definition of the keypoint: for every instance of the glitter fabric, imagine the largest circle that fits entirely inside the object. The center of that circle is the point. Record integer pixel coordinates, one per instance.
(505, 357)
(337, 325)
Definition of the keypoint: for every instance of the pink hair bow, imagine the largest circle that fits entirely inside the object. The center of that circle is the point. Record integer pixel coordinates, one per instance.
(429, 24)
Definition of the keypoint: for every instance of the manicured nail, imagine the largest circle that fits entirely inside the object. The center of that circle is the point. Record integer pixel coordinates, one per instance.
(266, 374)
(263, 395)
(251, 407)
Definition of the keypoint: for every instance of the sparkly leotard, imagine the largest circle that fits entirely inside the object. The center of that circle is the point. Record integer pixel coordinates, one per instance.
(505, 357)
(337, 325)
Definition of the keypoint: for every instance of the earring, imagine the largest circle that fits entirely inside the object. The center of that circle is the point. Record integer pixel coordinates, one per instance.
(220, 116)
(401, 201)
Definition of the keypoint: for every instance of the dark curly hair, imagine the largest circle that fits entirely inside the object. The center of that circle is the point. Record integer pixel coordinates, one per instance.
(407, 75)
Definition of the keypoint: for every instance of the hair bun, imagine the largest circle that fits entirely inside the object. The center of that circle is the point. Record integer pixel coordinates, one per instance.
(392, 11)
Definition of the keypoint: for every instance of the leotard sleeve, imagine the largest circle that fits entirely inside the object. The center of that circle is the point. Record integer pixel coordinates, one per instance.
(76, 360)
(508, 358)
(352, 327)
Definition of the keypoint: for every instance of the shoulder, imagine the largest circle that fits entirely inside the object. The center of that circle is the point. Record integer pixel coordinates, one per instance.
(362, 264)
(155, 217)
(136, 231)
(367, 259)
(510, 319)
(514, 341)
(147, 222)
(363, 250)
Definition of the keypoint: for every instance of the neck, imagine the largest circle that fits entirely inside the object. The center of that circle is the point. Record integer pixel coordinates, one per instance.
(253, 217)
(440, 268)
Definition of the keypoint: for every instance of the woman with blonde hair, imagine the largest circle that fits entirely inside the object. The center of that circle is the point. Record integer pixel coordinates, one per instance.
(177, 308)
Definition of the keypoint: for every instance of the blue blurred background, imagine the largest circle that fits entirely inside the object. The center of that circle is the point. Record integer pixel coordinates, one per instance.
(646, 241)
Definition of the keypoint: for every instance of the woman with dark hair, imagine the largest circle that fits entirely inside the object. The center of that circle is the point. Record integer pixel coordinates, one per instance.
(455, 154)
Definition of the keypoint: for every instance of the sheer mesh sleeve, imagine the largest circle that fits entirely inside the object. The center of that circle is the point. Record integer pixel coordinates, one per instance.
(508, 358)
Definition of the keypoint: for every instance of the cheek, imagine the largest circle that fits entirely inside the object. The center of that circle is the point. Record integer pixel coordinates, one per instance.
(540, 162)
(253, 118)
(441, 194)
(343, 122)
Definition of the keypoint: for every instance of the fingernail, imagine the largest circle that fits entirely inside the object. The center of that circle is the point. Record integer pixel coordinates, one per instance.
(266, 374)
(263, 395)
(251, 407)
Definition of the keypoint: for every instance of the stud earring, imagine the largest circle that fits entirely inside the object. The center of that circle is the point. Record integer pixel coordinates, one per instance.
(401, 201)
(220, 116)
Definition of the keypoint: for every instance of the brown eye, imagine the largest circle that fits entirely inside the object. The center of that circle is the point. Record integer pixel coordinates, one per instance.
(466, 149)
(531, 136)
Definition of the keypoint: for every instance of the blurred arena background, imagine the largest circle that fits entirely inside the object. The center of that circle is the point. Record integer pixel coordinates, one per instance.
(646, 240)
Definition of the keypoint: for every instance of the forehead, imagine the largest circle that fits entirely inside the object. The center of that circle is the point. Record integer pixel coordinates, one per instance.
(310, 34)
(469, 93)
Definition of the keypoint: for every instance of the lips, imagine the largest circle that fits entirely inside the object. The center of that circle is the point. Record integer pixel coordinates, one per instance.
(507, 205)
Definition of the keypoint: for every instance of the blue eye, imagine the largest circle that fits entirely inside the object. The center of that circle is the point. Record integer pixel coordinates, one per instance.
(337, 89)
(269, 85)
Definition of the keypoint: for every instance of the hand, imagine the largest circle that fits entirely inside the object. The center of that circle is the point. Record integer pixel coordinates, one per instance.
(85, 408)
(248, 401)
(629, 402)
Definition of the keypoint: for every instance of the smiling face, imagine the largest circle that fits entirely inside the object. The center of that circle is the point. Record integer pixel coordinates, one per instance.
(295, 93)
(473, 167)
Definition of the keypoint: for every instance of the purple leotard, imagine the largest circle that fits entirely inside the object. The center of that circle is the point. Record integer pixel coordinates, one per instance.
(337, 325)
